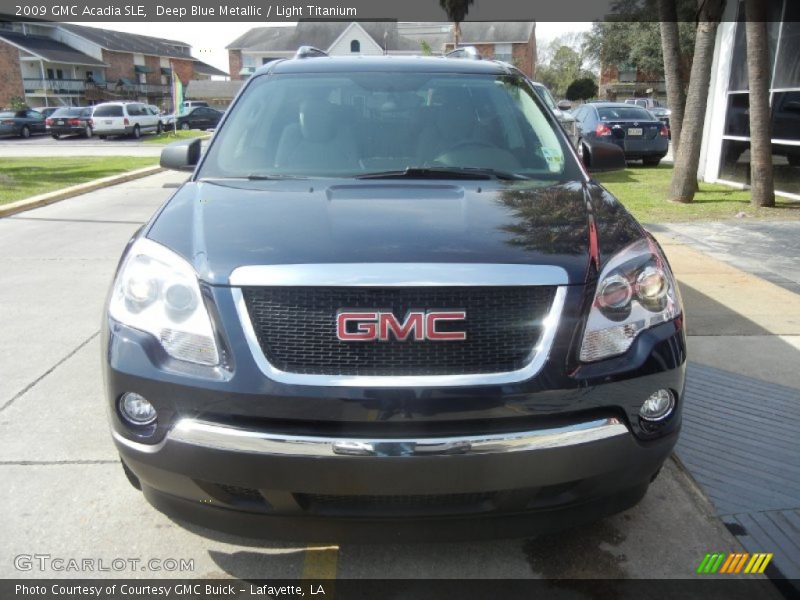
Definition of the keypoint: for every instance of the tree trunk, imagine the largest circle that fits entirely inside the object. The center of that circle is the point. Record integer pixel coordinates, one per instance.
(687, 159)
(456, 34)
(762, 191)
(671, 50)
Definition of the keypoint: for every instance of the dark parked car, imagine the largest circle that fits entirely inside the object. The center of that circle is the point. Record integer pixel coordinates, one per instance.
(200, 117)
(658, 110)
(390, 302)
(22, 123)
(640, 135)
(71, 121)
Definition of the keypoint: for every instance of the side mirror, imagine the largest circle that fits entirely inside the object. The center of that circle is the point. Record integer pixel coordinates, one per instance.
(181, 156)
(564, 105)
(605, 157)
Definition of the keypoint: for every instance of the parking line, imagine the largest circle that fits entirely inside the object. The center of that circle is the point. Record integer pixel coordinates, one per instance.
(320, 562)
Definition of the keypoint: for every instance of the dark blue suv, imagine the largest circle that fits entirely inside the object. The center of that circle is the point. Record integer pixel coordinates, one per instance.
(391, 303)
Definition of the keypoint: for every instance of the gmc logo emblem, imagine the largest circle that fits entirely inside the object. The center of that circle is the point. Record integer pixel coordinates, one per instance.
(419, 325)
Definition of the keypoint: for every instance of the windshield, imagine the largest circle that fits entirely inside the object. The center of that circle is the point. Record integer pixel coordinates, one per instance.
(627, 113)
(355, 124)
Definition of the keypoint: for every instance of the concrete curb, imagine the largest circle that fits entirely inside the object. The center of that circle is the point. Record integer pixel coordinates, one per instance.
(75, 190)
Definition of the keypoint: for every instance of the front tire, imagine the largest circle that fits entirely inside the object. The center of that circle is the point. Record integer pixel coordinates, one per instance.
(25, 132)
(55, 136)
(185, 126)
(87, 133)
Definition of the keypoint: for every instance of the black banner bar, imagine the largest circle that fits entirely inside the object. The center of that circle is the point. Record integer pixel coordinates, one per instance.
(732, 588)
(351, 10)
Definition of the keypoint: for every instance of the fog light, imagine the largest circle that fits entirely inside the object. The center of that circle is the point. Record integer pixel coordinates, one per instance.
(658, 406)
(136, 409)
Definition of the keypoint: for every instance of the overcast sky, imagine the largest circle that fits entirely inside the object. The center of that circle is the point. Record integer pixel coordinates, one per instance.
(208, 40)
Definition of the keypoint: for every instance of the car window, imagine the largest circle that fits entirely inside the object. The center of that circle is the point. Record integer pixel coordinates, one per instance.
(33, 114)
(7, 114)
(544, 94)
(347, 124)
(624, 112)
(108, 110)
(69, 112)
(134, 110)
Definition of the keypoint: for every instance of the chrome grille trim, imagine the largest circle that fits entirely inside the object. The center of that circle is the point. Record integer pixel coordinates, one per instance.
(401, 274)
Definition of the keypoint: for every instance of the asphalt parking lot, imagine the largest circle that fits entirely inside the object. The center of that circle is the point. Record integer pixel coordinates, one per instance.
(45, 145)
(65, 493)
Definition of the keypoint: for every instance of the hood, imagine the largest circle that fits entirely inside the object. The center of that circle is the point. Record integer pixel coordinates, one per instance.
(224, 225)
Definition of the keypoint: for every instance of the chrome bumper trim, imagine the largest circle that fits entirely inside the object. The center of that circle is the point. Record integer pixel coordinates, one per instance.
(220, 437)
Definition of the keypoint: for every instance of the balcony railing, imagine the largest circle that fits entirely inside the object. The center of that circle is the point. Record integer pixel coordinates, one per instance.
(54, 86)
(74, 87)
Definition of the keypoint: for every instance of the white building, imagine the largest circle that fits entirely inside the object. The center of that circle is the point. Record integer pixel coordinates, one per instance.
(725, 156)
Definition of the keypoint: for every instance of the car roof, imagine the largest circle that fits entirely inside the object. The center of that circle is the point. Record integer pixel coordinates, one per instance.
(409, 64)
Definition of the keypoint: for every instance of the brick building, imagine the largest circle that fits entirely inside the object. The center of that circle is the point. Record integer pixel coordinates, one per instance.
(511, 42)
(61, 64)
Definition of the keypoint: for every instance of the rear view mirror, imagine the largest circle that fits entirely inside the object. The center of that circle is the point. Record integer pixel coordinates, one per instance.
(181, 156)
(605, 157)
(564, 105)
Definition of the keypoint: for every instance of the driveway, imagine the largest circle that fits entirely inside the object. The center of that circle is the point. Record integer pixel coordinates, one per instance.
(65, 493)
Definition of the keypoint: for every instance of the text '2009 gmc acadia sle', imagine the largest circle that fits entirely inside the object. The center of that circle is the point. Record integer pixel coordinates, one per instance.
(390, 300)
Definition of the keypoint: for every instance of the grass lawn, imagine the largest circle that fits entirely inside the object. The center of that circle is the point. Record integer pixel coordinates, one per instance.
(644, 192)
(173, 136)
(24, 177)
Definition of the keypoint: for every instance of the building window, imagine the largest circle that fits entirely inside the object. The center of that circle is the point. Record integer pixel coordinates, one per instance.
(355, 46)
(503, 52)
(51, 74)
(784, 43)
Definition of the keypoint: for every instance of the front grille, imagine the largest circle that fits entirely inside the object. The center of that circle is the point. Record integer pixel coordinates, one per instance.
(242, 493)
(296, 329)
(373, 505)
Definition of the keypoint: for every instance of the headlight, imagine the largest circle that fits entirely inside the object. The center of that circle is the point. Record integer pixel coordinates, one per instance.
(157, 291)
(636, 290)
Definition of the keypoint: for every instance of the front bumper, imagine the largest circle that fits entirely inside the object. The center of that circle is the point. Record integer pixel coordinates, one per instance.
(237, 451)
(265, 485)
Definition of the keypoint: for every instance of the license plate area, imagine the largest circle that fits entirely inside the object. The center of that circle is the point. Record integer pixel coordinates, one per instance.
(635, 131)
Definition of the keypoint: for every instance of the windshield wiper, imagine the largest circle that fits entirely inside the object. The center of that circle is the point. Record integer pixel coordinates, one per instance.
(264, 177)
(443, 173)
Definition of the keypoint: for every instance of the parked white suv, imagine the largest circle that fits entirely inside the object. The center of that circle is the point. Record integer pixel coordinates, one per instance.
(124, 118)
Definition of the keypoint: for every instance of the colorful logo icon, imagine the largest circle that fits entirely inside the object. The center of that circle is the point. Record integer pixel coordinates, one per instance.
(737, 562)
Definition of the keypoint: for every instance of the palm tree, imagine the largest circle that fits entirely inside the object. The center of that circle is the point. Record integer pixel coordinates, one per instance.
(671, 51)
(456, 11)
(758, 72)
(687, 159)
